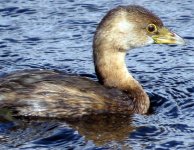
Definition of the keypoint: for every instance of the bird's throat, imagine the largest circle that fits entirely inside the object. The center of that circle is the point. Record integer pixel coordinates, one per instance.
(112, 72)
(111, 69)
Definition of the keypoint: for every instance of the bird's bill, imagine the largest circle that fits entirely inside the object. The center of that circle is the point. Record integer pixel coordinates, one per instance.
(165, 36)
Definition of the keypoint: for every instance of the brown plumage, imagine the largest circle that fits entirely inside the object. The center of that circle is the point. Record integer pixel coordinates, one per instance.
(44, 93)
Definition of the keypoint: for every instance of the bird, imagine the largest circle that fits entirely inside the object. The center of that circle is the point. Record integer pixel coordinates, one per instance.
(54, 94)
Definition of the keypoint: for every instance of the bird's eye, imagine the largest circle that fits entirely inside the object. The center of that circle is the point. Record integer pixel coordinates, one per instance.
(151, 28)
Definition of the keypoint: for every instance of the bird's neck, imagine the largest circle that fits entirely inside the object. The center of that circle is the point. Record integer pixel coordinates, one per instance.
(111, 68)
(112, 71)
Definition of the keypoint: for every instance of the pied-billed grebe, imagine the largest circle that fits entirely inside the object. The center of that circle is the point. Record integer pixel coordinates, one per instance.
(46, 93)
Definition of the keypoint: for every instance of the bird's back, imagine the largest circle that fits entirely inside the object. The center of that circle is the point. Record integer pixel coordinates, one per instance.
(46, 93)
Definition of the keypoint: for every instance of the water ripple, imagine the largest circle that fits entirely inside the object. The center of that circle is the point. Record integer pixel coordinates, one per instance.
(15, 11)
(58, 34)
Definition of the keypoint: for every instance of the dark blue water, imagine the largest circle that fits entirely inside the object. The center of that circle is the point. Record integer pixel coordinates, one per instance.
(57, 34)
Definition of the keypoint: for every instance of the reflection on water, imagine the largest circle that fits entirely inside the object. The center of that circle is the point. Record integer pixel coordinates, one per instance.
(99, 129)
(103, 129)
(58, 35)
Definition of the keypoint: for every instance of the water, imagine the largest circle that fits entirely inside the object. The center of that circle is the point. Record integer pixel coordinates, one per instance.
(57, 34)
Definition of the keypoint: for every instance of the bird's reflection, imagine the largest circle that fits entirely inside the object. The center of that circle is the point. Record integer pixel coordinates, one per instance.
(100, 129)
(104, 128)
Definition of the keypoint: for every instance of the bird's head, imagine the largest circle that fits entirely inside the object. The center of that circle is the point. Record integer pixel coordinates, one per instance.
(127, 27)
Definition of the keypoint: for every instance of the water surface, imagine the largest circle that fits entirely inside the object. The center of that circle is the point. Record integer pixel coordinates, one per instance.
(57, 35)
